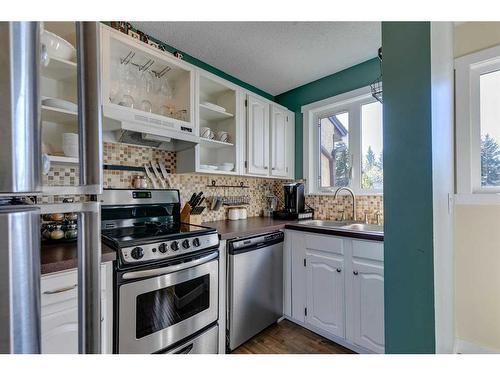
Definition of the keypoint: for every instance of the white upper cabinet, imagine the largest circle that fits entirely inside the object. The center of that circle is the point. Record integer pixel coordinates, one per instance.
(325, 292)
(151, 98)
(145, 85)
(270, 139)
(279, 140)
(257, 136)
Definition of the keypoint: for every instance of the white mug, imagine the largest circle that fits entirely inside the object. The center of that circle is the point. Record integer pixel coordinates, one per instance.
(207, 133)
(233, 214)
(243, 213)
(222, 136)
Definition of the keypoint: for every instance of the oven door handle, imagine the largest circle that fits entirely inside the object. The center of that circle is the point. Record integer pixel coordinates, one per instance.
(185, 350)
(164, 270)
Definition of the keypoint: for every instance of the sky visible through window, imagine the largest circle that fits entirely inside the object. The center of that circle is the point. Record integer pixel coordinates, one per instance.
(371, 146)
(490, 128)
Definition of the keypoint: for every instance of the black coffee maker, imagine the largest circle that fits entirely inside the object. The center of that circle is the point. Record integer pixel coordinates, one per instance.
(294, 197)
(294, 205)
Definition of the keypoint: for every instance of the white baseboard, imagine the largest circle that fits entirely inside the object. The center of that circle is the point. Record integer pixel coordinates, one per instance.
(466, 347)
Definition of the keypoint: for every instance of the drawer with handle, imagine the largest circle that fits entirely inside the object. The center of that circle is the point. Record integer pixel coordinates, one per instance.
(63, 286)
(59, 287)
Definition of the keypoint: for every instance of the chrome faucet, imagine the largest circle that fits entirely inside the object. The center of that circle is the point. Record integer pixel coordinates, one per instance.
(353, 199)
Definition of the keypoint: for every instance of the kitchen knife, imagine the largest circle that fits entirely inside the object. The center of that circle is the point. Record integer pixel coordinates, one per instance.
(190, 202)
(200, 202)
(197, 199)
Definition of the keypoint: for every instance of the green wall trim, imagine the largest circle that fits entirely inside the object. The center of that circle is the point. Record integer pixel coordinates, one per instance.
(349, 79)
(209, 68)
(408, 201)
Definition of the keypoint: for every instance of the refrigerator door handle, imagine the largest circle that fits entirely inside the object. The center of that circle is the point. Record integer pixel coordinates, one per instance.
(89, 105)
(20, 140)
(90, 144)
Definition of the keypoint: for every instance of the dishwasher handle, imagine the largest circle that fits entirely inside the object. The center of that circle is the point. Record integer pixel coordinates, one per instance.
(243, 245)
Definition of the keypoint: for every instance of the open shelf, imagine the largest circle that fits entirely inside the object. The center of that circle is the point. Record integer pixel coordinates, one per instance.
(59, 159)
(212, 143)
(58, 115)
(210, 114)
(59, 69)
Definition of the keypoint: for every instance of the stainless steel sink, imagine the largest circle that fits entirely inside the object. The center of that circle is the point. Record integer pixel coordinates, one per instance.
(324, 223)
(362, 227)
(350, 226)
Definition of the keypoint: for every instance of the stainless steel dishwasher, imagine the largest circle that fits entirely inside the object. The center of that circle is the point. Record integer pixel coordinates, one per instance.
(254, 285)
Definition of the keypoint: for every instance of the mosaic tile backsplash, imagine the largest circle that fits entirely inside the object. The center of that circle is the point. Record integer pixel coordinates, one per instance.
(128, 155)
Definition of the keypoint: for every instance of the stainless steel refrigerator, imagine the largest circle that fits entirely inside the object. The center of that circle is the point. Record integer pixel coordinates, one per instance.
(21, 186)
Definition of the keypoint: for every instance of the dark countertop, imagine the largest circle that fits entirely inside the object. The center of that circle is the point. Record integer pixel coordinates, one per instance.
(373, 236)
(229, 229)
(63, 256)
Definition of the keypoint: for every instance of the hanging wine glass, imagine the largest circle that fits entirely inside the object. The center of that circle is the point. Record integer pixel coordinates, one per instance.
(115, 86)
(165, 89)
(147, 91)
(129, 86)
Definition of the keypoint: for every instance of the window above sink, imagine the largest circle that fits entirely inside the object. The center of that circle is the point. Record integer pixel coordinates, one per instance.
(343, 144)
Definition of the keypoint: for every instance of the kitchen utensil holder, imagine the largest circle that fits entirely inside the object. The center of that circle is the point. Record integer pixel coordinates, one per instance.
(236, 200)
(214, 185)
(187, 217)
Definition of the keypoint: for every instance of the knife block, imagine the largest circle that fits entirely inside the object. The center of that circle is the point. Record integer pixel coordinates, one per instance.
(187, 217)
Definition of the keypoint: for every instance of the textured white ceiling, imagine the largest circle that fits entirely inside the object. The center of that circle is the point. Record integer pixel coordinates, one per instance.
(273, 56)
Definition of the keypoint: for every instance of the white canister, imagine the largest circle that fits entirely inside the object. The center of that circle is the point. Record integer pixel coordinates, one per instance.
(233, 213)
(243, 213)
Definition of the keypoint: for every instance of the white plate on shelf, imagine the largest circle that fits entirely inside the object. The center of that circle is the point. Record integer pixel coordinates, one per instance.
(60, 103)
(214, 106)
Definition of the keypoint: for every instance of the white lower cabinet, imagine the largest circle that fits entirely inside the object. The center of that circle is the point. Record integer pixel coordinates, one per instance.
(59, 302)
(336, 287)
(367, 305)
(325, 292)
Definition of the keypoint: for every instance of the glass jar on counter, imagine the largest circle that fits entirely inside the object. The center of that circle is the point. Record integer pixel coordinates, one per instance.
(71, 231)
(140, 182)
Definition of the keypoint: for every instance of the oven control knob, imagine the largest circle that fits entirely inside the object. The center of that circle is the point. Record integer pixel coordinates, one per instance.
(162, 248)
(185, 244)
(174, 246)
(137, 253)
(196, 242)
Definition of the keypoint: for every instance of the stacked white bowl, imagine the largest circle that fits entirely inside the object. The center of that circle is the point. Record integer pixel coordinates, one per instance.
(70, 144)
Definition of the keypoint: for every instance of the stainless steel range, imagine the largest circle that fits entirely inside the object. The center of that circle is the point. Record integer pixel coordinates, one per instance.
(166, 274)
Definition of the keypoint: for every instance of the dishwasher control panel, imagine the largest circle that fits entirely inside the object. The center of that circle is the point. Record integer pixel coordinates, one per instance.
(256, 241)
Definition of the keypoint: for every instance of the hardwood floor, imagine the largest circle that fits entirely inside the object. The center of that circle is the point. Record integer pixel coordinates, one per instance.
(286, 337)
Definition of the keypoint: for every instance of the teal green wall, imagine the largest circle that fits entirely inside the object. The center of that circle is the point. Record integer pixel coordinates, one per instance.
(360, 75)
(209, 68)
(408, 238)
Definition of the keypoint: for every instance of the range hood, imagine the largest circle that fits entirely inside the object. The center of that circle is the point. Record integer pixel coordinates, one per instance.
(151, 135)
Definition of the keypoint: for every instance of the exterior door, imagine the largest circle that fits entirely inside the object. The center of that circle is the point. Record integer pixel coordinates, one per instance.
(368, 304)
(279, 123)
(325, 292)
(258, 136)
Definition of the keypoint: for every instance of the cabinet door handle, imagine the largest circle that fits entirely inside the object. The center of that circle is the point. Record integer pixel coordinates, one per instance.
(339, 270)
(355, 272)
(56, 291)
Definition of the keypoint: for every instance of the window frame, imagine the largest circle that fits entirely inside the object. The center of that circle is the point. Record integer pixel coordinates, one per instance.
(468, 70)
(350, 102)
